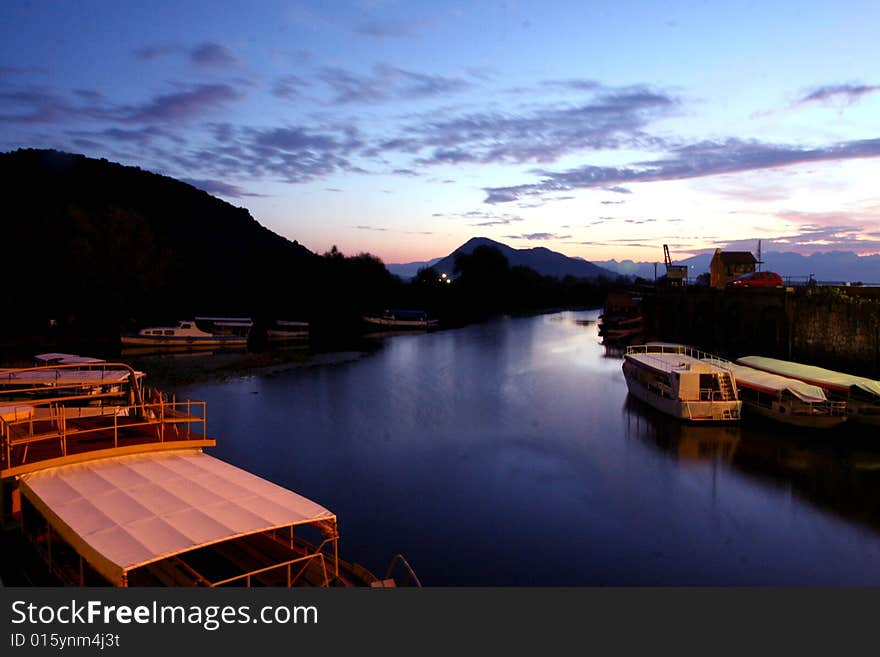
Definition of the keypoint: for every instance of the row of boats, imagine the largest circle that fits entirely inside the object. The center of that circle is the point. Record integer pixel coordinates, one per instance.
(109, 480)
(692, 385)
(234, 332)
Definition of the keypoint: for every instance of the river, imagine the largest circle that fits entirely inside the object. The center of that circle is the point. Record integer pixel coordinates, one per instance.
(508, 453)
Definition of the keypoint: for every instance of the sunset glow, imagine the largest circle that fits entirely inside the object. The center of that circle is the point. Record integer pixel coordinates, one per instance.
(600, 130)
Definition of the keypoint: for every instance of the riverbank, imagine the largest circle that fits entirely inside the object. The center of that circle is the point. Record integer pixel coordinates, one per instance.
(164, 370)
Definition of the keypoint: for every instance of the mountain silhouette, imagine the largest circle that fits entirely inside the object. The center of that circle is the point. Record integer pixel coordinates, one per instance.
(94, 240)
(541, 259)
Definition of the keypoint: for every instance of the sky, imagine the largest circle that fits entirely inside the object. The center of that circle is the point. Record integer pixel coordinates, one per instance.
(402, 128)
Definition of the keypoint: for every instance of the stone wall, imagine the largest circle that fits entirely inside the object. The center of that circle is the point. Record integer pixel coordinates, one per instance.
(834, 327)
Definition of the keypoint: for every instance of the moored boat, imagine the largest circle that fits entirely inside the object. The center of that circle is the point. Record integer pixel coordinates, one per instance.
(128, 497)
(184, 333)
(677, 380)
(783, 398)
(861, 394)
(402, 319)
(282, 330)
(80, 381)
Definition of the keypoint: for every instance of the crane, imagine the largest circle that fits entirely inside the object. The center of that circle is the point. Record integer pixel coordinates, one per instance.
(675, 274)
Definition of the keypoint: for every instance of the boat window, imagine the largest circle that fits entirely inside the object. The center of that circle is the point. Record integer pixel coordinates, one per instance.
(169, 332)
(709, 381)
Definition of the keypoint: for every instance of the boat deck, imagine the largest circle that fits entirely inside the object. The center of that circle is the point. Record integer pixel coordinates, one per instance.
(35, 438)
(671, 362)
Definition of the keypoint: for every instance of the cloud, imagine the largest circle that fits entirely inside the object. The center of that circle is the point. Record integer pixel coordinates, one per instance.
(612, 202)
(213, 55)
(140, 136)
(218, 188)
(207, 54)
(395, 29)
(383, 230)
(539, 237)
(293, 154)
(180, 106)
(847, 94)
(491, 219)
(612, 119)
(155, 52)
(32, 105)
(10, 71)
(691, 161)
(573, 85)
(35, 104)
(498, 222)
(289, 87)
(387, 83)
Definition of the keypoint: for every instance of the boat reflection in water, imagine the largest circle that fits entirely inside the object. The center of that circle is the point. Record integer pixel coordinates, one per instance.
(840, 476)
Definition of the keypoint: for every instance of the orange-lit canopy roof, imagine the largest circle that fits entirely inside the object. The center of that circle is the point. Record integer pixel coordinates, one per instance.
(124, 512)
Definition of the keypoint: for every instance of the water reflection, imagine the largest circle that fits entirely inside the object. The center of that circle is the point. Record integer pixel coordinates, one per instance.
(509, 453)
(837, 472)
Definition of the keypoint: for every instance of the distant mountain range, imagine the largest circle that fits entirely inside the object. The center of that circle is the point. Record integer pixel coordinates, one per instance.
(832, 266)
(541, 259)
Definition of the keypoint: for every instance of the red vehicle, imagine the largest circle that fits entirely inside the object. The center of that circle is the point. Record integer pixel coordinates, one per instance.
(758, 279)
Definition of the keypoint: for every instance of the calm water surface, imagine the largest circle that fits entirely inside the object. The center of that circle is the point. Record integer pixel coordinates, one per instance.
(508, 453)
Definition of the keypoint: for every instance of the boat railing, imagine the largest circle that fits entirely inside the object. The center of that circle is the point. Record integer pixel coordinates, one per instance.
(684, 350)
(711, 395)
(42, 432)
(292, 577)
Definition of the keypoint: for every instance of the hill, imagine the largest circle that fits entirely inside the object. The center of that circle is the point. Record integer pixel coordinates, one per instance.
(541, 259)
(95, 241)
(409, 269)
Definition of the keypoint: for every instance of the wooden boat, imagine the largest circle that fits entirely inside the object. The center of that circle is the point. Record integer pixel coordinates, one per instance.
(185, 333)
(287, 330)
(784, 399)
(129, 498)
(861, 394)
(677, 380)
(402, 319)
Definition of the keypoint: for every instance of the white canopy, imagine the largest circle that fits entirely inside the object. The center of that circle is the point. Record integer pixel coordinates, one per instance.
(813, 374)
(66, 359)
(127, 511)
(59, 377)
(776, 383)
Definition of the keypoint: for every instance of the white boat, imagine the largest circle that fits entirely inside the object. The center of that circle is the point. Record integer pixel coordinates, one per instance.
(90, 382)
(185, 333)
(678, 380)
(402, 319)
(56, 358)
(783, 398)
(861, 394)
